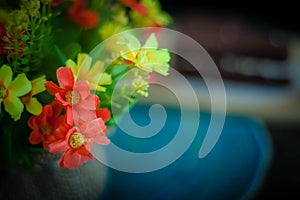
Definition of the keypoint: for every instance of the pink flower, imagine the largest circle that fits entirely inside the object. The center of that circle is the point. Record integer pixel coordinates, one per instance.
(45, 126)
(77, 143)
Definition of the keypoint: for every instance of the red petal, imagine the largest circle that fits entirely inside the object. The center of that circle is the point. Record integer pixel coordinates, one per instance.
(58, 146)
(70, 159)
(32, 122)
(47, 111)
(57, 108)
(35, 137)
(70, 114)
(65, 77)
(52, 88)
(61, 101)
(103, 113)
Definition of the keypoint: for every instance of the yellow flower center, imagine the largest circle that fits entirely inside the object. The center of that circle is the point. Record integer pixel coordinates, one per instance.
(77, 140)
(72, 97)
(3, 91)
(26, 98)
(45, 129)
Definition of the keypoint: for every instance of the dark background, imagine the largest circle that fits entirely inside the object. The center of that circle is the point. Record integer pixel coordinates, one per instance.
(279, 14)
(283, 178)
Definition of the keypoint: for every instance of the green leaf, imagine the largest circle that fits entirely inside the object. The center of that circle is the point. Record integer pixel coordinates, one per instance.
(60, 54)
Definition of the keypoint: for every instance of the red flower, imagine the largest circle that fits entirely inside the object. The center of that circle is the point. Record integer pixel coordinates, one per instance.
(74, 96)
(72, 93)
(77, 143)
(84, 17)
(45, 126)
(138, 7)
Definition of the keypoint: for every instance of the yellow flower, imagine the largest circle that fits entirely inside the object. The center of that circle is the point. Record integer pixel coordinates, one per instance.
(10, 91)
(31, 103)
(148, 57)
(94, 75)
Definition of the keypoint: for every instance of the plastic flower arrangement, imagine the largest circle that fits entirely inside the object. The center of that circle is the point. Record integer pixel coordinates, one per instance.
(53, 96)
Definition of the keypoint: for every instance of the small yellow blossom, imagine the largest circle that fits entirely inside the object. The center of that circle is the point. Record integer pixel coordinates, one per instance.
(11, 90)
(148, 57)
(95, 75)
(31, 103)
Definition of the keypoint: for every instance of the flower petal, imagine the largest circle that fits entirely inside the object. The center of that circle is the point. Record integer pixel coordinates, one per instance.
(104, 114)
(52, 88)
(84, 62)
(13, 106)
(60, 100)
(38, 85)
(65, 77)
(56, 108)
(32, 122)
(82, 88)
(97, 69)
(94, 128)
(34, 107)
(58, 146)
(101, 139)
(151, 42)
(5, 75)
(35, 137)
(69, 159)
(71, 64)
(20, 85)
(90, 103)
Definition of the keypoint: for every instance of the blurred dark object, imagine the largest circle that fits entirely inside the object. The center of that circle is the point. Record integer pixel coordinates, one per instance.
(247, 42)
(275, 14)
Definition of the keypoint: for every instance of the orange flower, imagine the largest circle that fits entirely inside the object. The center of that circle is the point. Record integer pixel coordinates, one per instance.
(82, 16)
(45, 126)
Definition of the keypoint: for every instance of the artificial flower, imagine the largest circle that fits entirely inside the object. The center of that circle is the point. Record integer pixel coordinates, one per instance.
(45, 127)
(148, 57)
(94, 76)
(10, 91)
(77, 143)
(31, 103)
(71, 93)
